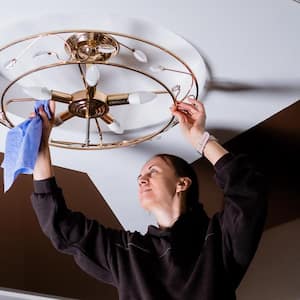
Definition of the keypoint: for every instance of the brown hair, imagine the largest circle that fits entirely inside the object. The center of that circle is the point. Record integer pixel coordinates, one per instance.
(183, 169)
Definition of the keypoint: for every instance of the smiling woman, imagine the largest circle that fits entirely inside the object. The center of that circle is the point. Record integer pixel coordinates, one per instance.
(187, 255)
(161, 190)
(157, 190)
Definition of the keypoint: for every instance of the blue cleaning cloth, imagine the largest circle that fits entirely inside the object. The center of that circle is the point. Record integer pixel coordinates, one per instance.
(22, 146)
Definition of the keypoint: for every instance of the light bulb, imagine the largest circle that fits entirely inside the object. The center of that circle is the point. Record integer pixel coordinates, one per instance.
(39, 93)
(60, 55)
(140, 55)
(157, 69)
(115, 127)
(141, 97)
(92, 75)
(106, 48)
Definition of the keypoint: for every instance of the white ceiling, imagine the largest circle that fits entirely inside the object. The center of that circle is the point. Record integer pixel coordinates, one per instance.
(254, 42)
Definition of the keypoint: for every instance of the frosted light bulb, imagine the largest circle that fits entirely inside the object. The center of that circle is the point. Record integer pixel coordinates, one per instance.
(115, 127)
(60, 55)
(39, 93)
(157, 69)
(92, 75)
(141, 97)
(106, 48)
(140, 56)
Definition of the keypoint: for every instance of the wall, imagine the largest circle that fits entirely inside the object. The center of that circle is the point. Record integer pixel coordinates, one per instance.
(275, 271)
(28, 261)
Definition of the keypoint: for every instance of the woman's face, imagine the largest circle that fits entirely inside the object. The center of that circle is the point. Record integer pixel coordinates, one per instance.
(157, 184)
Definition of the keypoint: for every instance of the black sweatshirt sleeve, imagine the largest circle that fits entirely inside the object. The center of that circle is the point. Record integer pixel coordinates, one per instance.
(242, 219)
(72, 233)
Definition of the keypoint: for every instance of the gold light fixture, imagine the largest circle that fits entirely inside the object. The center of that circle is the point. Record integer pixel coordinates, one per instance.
(110, 76)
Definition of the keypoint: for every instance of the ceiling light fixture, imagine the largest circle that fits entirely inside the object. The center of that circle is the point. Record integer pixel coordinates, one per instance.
(111, 89)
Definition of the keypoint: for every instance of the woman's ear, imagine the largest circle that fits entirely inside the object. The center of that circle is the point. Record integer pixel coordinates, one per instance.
(183, 184)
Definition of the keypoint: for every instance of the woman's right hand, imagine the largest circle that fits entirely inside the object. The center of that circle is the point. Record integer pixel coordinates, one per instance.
(43, 167)
(47, 124)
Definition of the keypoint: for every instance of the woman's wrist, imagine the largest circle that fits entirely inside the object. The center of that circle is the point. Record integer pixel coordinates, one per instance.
(208, 146)
(203, 139)
(43, 167)
(214, 151)
(195, 138)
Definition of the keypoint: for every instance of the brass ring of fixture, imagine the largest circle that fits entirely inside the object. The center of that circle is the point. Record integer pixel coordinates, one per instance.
(83, 38)
(111, 34)
(78, 145)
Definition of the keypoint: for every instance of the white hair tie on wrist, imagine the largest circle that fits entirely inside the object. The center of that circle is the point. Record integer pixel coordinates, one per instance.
(206, 137)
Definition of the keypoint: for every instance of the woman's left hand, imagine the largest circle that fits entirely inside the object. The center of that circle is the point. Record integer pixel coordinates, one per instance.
(191, 116)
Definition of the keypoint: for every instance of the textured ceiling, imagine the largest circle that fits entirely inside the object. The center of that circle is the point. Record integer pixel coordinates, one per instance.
(251, 49)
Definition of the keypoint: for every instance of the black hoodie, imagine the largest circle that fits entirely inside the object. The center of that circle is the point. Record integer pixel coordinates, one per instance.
(197, 258)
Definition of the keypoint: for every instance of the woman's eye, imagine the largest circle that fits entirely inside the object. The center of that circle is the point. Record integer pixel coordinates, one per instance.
(153, 171)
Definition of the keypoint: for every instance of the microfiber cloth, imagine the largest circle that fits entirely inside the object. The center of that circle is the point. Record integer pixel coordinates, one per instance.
(22, 146)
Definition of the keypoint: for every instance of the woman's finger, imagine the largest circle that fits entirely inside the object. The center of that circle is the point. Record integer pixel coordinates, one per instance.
(189, 110)
(52, 107)
(32, 115)
(197, 104)
(187, 106)
(43, 115)
(178, 114)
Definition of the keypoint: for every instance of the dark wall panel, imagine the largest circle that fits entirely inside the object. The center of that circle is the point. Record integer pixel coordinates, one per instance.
(274, 146)
(28, 260)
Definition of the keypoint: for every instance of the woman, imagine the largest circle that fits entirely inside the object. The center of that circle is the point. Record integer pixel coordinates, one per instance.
(187, 255)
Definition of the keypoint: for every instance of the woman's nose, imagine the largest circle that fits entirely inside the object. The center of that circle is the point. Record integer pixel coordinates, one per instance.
(143, 179)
